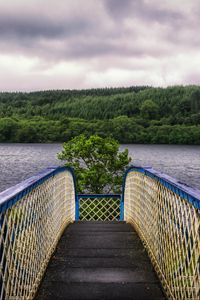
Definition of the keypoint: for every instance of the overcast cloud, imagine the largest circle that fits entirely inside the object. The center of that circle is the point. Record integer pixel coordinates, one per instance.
(63, 44)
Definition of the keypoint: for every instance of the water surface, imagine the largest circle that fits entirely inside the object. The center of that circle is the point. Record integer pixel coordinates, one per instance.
(179, 161)
(19, 161)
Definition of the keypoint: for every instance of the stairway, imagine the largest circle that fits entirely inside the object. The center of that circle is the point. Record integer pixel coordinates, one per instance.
(100, 260)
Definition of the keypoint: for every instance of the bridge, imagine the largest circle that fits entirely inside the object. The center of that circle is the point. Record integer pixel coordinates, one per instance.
(57, 244)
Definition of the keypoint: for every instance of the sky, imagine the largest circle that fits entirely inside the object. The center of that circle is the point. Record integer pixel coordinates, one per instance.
(79, 44)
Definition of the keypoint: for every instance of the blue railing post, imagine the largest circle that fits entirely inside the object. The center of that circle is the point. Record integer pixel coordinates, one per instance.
(122, 208)
(77, 212)
(2, 259)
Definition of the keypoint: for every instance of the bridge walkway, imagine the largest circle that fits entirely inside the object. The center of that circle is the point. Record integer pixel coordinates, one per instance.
(100, 260)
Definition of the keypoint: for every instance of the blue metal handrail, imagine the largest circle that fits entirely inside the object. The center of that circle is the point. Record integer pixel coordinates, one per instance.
(148, 198)
(165, 214)
(33, 216)
(13, 194)
(192, 195)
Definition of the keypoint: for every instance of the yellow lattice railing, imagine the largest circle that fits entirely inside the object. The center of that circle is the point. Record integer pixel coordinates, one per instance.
(99, 207)
(165, 214)
(33, 216)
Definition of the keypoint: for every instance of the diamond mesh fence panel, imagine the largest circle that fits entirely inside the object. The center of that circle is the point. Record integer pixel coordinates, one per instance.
(30, 230)
(99, 209)
(169, 227)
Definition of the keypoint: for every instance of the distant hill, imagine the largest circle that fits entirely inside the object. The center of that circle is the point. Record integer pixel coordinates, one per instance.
(131, 115)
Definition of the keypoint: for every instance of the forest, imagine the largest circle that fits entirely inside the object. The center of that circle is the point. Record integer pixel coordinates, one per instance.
(130, 115)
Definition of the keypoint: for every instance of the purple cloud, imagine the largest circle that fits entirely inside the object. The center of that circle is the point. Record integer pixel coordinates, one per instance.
(135, 39)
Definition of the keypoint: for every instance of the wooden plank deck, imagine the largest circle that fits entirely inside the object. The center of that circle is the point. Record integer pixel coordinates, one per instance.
(97, 261)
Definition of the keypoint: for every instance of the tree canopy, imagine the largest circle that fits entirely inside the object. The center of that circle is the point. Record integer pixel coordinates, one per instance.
(130, 115)
(98, 163)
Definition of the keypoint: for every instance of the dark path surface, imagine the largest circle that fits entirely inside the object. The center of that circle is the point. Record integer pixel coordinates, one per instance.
(97, 261)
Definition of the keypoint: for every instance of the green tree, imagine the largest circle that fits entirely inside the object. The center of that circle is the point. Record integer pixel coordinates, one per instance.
(149, 109)
(195, 101)
(129, 115)
(8, 129)
(98, 163)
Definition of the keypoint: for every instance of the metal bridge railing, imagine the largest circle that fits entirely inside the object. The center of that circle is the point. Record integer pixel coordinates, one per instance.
(101, 207)
(166, 216)
(33, 216)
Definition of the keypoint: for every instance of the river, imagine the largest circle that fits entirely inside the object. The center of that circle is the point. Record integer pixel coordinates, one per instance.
(19, 161)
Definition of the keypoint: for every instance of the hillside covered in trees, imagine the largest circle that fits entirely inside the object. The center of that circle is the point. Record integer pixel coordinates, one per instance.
(130, 115)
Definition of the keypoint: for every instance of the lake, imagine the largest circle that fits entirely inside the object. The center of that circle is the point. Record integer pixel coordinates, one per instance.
(20, 161)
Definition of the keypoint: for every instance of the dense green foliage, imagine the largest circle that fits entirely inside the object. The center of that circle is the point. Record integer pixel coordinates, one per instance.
(98, 163)
(130, 115)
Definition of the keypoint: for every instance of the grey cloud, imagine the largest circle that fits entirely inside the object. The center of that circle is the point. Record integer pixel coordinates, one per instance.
(82, 35)
(97, 48)
(99, 33)
(83, 48)
(119, 8)
(60, 39)
(35, 27)
(142, 10)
